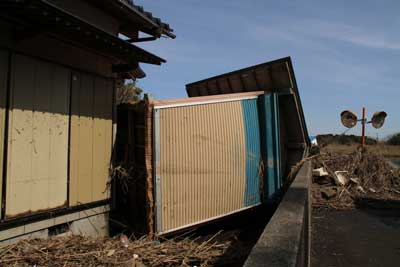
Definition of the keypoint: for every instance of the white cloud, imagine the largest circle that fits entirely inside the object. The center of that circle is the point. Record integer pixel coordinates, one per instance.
(368, 37)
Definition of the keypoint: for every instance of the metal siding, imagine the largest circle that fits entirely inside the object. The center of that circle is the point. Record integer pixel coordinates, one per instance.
(4, 58)
(202, 163)
(253, 152)
(91, 138)
(38, 137)
(270, 130)
(277, 142)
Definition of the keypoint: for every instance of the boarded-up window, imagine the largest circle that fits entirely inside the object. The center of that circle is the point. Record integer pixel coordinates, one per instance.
(38, 137)
(91, 138)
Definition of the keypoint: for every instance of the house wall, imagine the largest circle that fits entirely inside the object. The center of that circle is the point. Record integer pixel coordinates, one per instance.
(60, 135)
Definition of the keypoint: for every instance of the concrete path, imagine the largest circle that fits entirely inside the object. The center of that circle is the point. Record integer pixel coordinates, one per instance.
(355, 238)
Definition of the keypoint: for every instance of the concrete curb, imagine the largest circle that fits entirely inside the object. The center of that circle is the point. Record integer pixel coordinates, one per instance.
(285, 240)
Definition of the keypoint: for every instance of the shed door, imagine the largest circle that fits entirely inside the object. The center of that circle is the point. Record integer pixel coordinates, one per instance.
(38, 137)
(3, 86)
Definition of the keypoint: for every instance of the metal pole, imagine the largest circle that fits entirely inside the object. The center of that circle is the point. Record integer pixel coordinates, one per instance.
(363, 129)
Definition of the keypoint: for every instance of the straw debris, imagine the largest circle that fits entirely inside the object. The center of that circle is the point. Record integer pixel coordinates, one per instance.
(84, 251)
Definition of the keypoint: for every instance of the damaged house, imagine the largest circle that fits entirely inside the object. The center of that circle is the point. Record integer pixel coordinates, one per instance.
(59, 64)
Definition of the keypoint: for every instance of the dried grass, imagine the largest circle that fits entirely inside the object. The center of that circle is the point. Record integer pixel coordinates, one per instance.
(83, 251)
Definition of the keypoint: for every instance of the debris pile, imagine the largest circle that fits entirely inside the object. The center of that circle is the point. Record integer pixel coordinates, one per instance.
(343, 181)
(117, 251)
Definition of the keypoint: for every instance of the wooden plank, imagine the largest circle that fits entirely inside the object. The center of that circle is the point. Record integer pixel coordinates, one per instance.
(38, 137)
(19, 159)
(91, 138)
(59, 121)
(41, 134)
(74, 139)
(85, 156)
(4, 58)
(81, 140)
(102, 137)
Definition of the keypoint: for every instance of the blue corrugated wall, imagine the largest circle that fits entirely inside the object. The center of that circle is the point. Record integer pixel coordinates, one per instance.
(253, 151)
(269, 122)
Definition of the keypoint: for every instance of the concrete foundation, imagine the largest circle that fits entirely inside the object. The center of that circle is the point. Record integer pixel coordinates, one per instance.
(91, 222)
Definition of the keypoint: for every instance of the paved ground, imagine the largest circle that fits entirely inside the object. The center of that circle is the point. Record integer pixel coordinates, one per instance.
(356, 238)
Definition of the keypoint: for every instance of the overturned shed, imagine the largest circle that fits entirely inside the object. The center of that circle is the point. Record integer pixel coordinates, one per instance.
(227, 148)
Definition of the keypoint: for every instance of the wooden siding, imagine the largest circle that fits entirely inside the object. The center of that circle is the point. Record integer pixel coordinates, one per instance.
(3, 94)
(202, 163)
(91, 138)
(38, 137)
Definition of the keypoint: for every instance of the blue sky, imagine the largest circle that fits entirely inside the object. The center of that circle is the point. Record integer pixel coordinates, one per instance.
(345, 53)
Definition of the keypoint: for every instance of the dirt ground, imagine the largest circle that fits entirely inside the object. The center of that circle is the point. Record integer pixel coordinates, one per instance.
(368, 237)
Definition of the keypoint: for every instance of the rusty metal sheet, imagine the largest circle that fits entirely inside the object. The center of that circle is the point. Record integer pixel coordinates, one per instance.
(91, 138)
(38, 137)
(202, 163)
(4, 58)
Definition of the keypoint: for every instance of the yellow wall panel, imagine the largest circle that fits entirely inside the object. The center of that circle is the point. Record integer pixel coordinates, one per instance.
(74, 139)
(38, 137)
(59, 121)
(91, 137)
(202, 162)
(102, 137)
(3, 94)
(81, 157)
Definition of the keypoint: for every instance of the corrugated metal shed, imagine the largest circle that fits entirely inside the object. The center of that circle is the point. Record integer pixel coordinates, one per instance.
(277, 77)
(208, 158)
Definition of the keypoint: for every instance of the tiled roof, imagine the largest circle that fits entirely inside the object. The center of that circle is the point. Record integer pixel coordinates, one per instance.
(164, 27)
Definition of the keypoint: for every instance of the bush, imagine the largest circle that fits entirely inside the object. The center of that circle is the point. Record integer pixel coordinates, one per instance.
(394, 140)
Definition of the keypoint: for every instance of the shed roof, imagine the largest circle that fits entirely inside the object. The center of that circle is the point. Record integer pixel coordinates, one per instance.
(274, 76)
